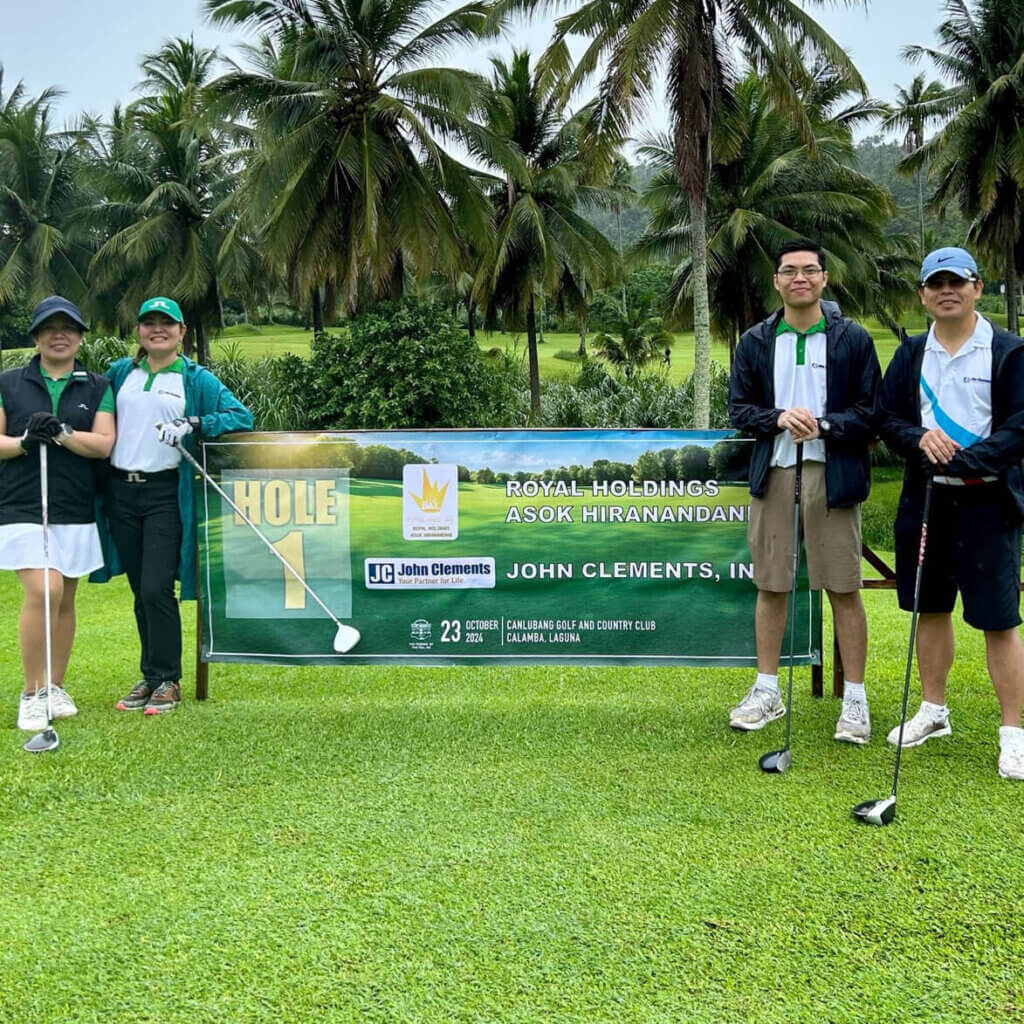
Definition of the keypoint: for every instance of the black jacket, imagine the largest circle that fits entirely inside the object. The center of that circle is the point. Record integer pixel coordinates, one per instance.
(851, 403)
(71, 488)
(998, 455)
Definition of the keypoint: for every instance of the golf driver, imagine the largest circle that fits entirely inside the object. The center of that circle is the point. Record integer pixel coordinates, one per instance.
(47, 739)
(882, 812)
(347, 636)
(777, 761)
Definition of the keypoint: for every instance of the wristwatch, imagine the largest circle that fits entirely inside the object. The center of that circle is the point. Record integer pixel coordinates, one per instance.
(65, 433)
(824, 426)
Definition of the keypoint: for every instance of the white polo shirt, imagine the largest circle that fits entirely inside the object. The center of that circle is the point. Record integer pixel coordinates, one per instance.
(146, 399)
(800, 381)
(956, 390)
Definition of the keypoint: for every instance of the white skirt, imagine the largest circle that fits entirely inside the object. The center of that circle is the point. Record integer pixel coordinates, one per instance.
(74, 547)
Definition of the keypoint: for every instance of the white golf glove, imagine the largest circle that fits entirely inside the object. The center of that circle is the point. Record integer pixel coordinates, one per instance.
(172, 433)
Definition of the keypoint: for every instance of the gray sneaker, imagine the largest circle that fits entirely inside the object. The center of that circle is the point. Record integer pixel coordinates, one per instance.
(922, 727)
(757, 709)
(854, 725)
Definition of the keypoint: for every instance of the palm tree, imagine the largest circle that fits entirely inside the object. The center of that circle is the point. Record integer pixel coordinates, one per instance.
(539, 241)
(910, 115)
(977, 159)
(769, 186)
(167, 175)
(638, 337)
(348, 184)
(39, 253)
(691, 41)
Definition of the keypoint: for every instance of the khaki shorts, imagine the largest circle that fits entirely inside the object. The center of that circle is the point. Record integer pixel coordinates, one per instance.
(831, 536)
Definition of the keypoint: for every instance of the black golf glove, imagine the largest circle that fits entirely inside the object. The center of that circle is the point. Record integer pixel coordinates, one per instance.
(46, 428)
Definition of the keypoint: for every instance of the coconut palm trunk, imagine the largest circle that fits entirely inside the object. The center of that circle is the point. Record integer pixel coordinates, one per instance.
(1012, 283)
(531, 345)
(701, 314)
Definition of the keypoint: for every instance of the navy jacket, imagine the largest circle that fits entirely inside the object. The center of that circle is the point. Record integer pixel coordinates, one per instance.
(998, 455)
(851, 403)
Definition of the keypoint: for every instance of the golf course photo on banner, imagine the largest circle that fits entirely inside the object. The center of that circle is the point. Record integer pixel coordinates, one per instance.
(482, 547)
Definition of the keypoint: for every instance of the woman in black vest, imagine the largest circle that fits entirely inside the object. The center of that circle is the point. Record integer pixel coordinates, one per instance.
(53, 401)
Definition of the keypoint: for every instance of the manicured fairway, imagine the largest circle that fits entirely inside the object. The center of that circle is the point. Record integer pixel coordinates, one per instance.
(461, 845)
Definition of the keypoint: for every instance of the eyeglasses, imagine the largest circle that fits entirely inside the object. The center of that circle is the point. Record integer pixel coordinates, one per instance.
(788, 273)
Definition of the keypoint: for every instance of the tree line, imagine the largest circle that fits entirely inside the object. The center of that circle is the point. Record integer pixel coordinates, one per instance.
(340, 162)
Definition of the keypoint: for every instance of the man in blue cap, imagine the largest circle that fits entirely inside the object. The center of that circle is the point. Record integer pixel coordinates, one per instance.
(953, 407)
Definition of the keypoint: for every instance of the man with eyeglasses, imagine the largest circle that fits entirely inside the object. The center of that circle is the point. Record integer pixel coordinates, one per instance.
(953, 407)
(806, 375)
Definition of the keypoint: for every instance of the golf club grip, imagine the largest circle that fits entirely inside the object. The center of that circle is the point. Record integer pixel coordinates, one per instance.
(798, 479)
(187, 455)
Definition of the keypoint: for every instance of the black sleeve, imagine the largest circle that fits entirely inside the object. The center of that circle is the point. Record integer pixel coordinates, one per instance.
(857, 424)
(1004, 447)
(898, 422)
(745, 409)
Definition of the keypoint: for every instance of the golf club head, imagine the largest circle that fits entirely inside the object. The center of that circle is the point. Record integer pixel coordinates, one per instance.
(346, 638)
(775, 762)
(876, 812)
(42, 742)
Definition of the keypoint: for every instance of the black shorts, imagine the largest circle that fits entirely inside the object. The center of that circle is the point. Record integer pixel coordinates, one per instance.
(973, 547)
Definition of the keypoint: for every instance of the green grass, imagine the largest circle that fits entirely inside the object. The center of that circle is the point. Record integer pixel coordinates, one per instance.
(256, 340)
(515, 845)
(556, 356)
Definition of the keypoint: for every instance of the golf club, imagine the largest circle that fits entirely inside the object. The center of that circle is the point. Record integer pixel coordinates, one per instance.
(347, 636)
(777, 761)
(47, 739)
(882, 812)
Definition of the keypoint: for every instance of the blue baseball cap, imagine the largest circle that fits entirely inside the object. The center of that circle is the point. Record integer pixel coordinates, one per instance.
(950, 259)
(53, 305)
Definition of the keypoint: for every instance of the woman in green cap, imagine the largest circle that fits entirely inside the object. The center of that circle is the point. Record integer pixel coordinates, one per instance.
(164, 400)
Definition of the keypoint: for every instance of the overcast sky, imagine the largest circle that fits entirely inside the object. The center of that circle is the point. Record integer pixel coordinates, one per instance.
(91, 48)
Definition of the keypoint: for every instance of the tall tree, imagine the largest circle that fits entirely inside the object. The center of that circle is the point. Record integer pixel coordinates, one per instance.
(349, 184)
(39, 252)
(976, 160)
(691, 41)
(540, 240)
(769, 186)
(164, 188)
(910, 114)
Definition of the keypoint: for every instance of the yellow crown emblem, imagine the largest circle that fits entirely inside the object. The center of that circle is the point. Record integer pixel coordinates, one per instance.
(432, 498)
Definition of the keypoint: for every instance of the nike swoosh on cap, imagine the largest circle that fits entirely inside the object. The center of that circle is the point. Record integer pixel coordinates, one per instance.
(943, 259)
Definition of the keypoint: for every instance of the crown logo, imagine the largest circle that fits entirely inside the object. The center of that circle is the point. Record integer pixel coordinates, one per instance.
(432, 498)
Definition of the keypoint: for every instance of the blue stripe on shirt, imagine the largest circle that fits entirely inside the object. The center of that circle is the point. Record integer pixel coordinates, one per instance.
(952, 429)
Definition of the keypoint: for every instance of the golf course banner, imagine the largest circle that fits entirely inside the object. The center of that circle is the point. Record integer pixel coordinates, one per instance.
(482, 547)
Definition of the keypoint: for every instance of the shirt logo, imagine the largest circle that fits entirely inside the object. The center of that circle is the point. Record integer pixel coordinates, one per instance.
(82, 405)
(977, 380)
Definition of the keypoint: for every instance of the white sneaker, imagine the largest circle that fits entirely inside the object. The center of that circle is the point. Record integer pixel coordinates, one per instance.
(854, 725)
(32, 711)
(61, 703)
(757, 709)
(1011, 763)
(922, 727)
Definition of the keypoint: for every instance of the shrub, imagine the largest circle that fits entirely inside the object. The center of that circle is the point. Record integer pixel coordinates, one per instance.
(406, 365)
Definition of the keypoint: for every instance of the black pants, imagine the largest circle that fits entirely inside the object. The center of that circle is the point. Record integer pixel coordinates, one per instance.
(146, 527)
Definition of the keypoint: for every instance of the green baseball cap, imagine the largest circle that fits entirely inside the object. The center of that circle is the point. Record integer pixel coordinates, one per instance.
(159, 304)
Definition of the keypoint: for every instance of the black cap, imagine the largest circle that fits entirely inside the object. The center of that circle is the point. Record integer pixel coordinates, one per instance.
(56, 304)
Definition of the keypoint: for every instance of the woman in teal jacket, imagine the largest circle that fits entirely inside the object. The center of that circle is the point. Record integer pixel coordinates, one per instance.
(164, 401)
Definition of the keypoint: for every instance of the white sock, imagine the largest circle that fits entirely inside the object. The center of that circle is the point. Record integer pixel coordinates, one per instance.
(935, 711)
(854, 691)
(1011, 737)
(767, 682)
